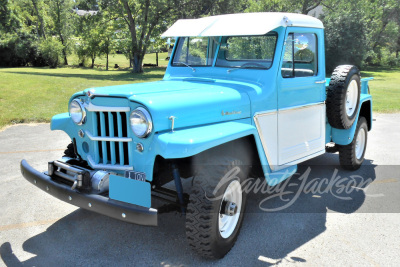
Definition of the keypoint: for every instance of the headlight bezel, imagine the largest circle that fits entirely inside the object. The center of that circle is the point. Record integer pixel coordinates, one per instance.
(148, 119)
(83, 112)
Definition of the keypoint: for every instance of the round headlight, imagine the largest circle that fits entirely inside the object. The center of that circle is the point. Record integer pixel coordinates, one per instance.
(141, 122)
(77, 112)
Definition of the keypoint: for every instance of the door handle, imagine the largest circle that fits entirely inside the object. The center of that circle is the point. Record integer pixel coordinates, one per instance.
(322, 81)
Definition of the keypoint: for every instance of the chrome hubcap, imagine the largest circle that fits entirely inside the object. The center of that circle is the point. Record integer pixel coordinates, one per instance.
(351, 98)
(229, 210)
(360, 143)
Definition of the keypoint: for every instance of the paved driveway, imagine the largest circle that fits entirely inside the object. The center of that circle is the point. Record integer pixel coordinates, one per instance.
(319, 228)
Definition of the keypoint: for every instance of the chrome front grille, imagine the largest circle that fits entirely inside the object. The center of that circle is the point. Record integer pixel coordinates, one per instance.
(111, 142)
(112, 124)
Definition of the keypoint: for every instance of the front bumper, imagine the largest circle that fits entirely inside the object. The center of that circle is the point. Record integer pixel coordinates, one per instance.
(100, 204)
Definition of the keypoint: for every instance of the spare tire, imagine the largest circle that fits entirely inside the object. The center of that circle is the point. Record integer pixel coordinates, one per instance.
(343, 96)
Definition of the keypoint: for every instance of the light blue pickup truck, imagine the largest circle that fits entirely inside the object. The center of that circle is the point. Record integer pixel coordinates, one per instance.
(244, 95)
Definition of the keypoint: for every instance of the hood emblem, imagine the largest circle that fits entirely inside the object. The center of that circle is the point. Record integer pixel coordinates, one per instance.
(230, 113)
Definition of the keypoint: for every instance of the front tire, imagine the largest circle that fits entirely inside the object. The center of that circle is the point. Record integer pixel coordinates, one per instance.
(351, 156)
(212, 221)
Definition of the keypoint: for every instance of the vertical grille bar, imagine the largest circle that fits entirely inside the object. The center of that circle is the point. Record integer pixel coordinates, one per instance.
(121, 146)
(103, 133)
(96, 144)
(111, 131)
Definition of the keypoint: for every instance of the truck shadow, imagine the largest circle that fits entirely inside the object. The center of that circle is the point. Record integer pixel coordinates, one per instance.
(267, 237)
(120, 75)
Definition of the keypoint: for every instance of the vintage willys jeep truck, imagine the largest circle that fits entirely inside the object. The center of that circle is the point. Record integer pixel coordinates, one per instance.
(244, 95)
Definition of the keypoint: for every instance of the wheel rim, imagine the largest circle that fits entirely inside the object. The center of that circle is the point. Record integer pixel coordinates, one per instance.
(226, 223)
(360, 143)
(351, 98)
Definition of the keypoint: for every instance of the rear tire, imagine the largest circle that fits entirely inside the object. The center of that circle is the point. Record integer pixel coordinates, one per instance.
(343, 96)
(351, 156)
(209, 232)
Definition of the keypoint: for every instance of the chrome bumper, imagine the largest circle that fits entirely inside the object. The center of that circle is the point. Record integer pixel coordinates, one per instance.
(96, 203)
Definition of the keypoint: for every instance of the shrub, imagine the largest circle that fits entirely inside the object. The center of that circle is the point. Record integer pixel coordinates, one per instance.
(51, 51)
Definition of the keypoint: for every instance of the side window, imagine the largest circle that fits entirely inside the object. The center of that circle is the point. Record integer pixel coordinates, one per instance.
(300, 57)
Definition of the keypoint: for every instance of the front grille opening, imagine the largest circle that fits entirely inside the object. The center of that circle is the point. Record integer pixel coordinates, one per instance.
(115, 120)
(126, 155)
(98, 123)
(124, 125)
(106, 123)
(117, 159)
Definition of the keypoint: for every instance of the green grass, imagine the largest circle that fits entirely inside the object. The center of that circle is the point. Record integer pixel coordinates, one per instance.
(385, 89)
(36, 94)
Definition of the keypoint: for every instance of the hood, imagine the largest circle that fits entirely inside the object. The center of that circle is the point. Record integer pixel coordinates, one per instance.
(192, 102)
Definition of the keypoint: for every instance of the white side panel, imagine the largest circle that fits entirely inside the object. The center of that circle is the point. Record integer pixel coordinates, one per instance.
(301, 132)
(267, 129)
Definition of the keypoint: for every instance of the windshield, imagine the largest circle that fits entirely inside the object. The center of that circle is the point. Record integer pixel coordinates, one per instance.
(247, 51)
(255, 52)
(195, 51)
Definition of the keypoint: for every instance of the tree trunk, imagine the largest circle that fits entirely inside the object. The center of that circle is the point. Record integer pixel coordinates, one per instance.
(107, 61)
(64, 51)
(65, 56)
(41, 34)
(137, 63)
(92, 62)
(157, 59)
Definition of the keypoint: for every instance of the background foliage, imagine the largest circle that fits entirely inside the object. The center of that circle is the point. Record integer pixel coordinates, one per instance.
(49, 32)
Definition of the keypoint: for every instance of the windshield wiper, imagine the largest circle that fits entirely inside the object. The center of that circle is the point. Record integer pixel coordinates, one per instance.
(187, 65)
(249, 65)
(241, 67)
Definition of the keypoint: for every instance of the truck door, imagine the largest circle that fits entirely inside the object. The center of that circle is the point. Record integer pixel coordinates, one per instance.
(301, 96)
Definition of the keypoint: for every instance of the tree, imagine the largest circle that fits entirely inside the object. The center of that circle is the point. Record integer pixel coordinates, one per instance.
(89, 27)
(39, 7)
(345, 34)
(145, 19)
(361, 32)
(62, 17)
(296, 6)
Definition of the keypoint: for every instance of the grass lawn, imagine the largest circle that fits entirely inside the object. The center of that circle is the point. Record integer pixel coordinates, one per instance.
(36, 94)
(385, 89)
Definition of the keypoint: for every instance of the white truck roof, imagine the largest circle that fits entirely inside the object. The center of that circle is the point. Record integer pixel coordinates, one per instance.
(239, 24)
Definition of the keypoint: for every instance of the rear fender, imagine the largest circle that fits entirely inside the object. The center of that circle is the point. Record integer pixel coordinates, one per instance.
(345, 136)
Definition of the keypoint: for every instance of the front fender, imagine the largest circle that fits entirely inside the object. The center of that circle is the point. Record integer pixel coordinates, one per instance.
(188, 142)
(64, 123)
